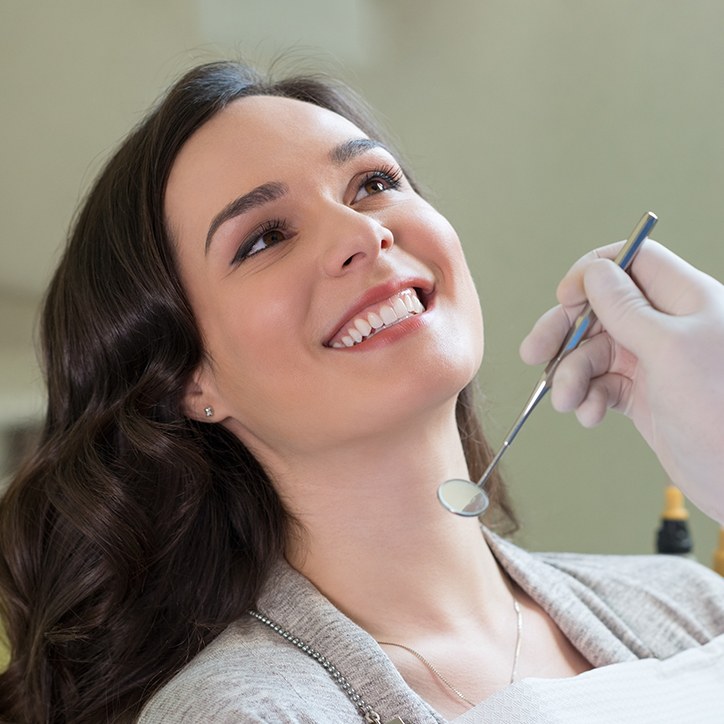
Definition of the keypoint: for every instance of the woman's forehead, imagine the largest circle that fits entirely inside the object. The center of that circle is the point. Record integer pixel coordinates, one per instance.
(275, 124)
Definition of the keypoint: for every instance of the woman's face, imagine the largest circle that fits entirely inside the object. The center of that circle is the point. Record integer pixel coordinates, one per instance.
(334, 302)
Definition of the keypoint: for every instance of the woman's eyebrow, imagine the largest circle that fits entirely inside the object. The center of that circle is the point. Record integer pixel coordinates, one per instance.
(274, 189)
(256, 197)
(355, 147)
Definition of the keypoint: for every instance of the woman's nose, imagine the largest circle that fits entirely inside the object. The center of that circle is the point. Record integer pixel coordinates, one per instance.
(352, 239)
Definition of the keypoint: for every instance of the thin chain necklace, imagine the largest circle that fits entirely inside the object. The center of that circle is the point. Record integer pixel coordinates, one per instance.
(433, 669)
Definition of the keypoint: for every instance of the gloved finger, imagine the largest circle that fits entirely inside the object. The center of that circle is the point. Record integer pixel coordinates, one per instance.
(621, 307)
(670, 284)
(573, 378)
(610, 391)
(545, 338)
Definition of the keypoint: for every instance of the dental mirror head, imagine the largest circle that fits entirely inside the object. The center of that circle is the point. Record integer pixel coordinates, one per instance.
(463, 497)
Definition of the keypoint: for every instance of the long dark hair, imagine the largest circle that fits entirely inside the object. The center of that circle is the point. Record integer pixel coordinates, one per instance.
(134, 535)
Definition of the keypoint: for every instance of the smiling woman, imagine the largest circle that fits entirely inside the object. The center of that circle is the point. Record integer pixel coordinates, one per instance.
(184, 299)
(260, 346)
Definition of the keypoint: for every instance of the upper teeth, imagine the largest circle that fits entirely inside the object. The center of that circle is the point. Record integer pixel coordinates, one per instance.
(402, 305)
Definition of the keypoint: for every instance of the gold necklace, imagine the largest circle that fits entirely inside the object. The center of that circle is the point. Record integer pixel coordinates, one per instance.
(428, 664)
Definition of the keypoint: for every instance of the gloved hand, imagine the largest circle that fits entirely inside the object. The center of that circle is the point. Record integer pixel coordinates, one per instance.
(656, 354)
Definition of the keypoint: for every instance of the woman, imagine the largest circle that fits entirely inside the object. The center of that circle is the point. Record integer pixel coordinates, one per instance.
(259, 348)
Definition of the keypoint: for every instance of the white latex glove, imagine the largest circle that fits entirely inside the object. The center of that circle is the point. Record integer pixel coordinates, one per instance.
(656, 354)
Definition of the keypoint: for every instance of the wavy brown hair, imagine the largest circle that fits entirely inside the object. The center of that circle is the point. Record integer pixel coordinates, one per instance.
(134, 535)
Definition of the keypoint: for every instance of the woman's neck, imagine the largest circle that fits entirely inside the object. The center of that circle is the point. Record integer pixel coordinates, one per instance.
(378, 544)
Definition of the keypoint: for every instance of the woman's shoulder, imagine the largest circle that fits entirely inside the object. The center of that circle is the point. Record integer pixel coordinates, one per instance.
(247, 674)
(632, 605)
(652, 579)
(655, 577)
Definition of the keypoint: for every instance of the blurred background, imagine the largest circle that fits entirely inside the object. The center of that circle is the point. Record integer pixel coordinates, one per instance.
(542, 128)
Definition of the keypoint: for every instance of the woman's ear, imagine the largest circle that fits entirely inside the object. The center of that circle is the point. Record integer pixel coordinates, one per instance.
(201, 399)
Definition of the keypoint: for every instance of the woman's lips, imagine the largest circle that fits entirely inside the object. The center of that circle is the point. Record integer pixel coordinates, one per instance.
(376, 317)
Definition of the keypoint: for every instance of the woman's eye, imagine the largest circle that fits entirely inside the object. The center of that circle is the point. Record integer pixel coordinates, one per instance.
(268, 238)
(261, 239)
(374, 186)
(377, 182)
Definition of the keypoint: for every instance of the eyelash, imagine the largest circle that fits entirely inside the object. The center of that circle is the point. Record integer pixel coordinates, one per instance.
(392, 175)
(244, 251)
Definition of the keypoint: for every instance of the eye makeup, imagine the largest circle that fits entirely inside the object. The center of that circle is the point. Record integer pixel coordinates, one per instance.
(277, 230)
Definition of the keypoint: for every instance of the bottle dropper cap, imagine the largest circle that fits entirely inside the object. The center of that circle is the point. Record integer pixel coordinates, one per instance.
(674, 505)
